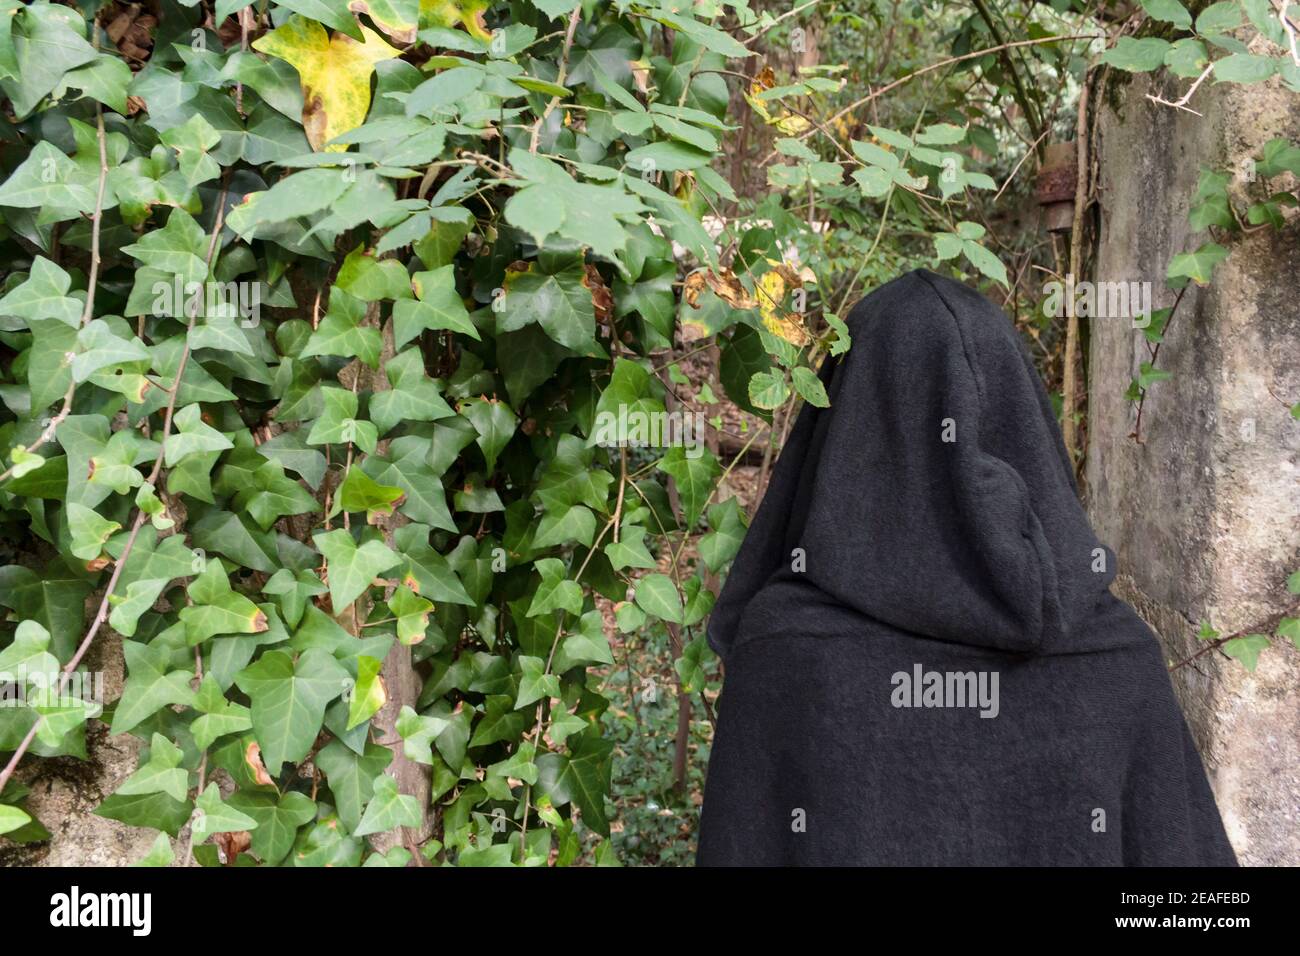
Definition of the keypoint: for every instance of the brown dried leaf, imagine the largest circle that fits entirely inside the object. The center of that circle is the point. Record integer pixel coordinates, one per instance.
(230, 845)
(726, 286)
(253, 758)
(602, 299)
(764, 80)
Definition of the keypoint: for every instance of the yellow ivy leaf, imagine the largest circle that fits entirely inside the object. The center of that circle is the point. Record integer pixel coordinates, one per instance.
(771, 293)
(335, 73)
(447, 13)
(388, 17)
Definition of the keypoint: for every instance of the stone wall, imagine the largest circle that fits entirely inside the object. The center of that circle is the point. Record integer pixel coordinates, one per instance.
(1205, 513)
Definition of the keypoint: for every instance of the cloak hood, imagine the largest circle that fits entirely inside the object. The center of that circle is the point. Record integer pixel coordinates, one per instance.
(925, 529)
(934, 494)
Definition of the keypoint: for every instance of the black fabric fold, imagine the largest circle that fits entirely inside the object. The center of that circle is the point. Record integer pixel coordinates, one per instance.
(928, 522)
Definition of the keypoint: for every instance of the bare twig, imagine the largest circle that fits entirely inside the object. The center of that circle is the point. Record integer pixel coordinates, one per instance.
(787, 14)
(101, 615)
(874, 94)
(574, 17)
(1181, 104)
(92, 283)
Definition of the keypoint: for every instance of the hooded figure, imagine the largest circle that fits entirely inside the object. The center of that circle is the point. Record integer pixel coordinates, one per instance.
(924, 662)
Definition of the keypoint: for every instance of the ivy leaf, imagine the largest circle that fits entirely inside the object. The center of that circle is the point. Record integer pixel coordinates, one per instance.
(722, 543)
(412, 613)
(576, 524)
(556, 591)
(413, 395)
(690, 666)
(162, 774)
(495, 423)
(219, 716)
(1246, 649)
(289, 701)
(388, 809)
(217, 816)
(48, 41)
(151, 684)
(191, 436)
(586, 645)
(177, 249)
(99, 347)
(1289, 627)
(335, 72)
(427, 572)
(445, 88)
(425, 497)
(160, 853)
(657, 595)
(48, 178)
(338, 423)
(695, 471)
(360, 492)
(217, 609)
(368, 278)
(351, 569)
(368, 694)
(192, 140)
(105, 79)
(43, 295)
(278, 820)
(298, 195)
(630, 552)
(158, 811)
(584, 213)
(29, 653)
(535, 683)
(436, 306)
(351, 777)
(89, 531)
(11, 818)
(1277, 156)
(1199, 265)
(271, 495)
(561, 304)
(335, 14)
(341, 332)
(581, 778)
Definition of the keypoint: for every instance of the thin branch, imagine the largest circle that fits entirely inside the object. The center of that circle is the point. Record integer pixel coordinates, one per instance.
(574, 17)
(786, 15)
(1182, 103)
(92, 282)
(874, 94)
(101, 615)
(1155, 354)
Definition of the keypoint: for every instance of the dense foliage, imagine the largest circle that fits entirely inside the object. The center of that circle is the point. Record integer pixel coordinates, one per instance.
(346, 353)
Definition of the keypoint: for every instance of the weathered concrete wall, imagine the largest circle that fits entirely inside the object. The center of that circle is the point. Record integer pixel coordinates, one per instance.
(1205, 513)
(65, 790)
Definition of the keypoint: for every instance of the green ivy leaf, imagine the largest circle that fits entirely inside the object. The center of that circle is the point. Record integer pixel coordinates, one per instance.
(388, 809)
(657, 596)
(1246, 649)
(289, 699)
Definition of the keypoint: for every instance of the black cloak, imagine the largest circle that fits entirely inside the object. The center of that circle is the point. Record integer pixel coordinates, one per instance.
(924, 663)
